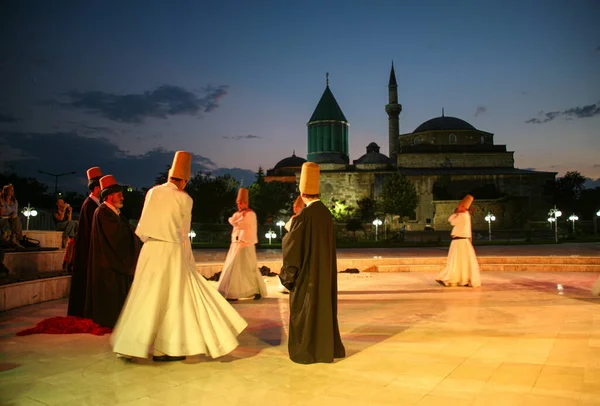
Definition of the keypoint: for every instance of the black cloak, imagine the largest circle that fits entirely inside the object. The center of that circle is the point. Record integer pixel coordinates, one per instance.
(114, 249)
(309, 271)
(80, 261)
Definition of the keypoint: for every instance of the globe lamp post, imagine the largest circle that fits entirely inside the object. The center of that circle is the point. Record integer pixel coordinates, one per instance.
(553, 216)
(270, 234)
(280, 223)
(573, 218)
(489, 218)
(28, 212)
(377, 223)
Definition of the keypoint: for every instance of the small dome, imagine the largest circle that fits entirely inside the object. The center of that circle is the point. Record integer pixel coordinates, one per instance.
(444, 123)
(290, 162)
(373, 156)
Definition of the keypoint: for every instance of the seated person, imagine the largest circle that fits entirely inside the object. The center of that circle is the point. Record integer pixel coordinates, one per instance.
(63, 219)
(10, 223)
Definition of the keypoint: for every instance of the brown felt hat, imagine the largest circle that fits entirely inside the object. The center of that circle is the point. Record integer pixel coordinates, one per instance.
(182, 166)
(242, 196)
(94, 174)
(109, 185)
(310, 178)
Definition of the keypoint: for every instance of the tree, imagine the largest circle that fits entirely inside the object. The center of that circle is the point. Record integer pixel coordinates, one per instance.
(567, 191)
(367, 208)
(269, 199)
(340, 211)
(399, 196)
(214, 197)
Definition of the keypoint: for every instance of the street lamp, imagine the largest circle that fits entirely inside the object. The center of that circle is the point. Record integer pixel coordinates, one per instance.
(270, 234)
(553, 216)
(573, 218)
(377, 223)
(280, 223)
(489, 218)
(56, 176)
(192, 234)
(595, 221)
(29, 211)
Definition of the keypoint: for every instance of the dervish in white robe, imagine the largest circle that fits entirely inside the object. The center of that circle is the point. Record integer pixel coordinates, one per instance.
(240, 277)
(171, 307)
(462, 268)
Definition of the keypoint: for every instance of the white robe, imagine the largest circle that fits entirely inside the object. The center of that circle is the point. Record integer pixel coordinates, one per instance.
(240, 277)
(462, 267)
(170, 307)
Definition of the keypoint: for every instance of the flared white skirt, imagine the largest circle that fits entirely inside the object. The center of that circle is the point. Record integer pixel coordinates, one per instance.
(462, 267)
(173, 309)
(240, 277)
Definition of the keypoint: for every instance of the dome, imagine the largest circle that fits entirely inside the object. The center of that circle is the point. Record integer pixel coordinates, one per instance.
(373, 156)
(444, 123)
(290, 162)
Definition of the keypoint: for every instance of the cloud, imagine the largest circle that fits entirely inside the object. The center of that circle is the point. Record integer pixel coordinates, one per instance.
(8, 118)
(160, 103)
(242, 137)
(590, 110)
(30, 152)
(480, 110)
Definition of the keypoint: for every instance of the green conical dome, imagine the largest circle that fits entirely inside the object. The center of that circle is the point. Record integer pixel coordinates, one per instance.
(328, 109)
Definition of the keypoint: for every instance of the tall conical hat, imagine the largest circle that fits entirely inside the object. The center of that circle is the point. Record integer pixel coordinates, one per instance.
(466, 201)
(109, 185)
(242, 196)
(309, 178)
(182, 166)
(94, 174)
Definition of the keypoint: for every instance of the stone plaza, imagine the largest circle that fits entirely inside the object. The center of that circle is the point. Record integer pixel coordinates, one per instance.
(526, 337)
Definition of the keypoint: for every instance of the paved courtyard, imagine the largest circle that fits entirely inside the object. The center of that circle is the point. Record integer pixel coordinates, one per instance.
(518, 340)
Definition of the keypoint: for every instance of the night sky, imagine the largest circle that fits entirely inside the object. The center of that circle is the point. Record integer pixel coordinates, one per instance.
(123, 84)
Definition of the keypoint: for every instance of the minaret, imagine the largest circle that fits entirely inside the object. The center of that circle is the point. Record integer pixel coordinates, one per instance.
(393, 110)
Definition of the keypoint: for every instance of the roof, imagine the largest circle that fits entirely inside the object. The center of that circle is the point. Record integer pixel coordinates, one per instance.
(470, 171)
(373, 156)
(328, 109)
(444, 123)
(290, 162)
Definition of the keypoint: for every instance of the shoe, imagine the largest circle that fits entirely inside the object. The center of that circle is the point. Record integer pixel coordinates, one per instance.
(440, 282)
(231, 300)
(258, 296)
(167, 358)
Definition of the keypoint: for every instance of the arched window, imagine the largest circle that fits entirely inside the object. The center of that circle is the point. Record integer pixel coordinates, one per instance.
(452, 138)
(416, 140)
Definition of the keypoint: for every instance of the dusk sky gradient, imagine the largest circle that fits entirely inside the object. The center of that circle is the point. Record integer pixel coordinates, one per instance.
(123, 84)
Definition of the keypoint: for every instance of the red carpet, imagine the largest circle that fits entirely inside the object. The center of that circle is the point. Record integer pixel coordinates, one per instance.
(66, 325)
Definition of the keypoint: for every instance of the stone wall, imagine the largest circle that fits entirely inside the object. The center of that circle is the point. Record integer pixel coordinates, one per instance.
(456, 160)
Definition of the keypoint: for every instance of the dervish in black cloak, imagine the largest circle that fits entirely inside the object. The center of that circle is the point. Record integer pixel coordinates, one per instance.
(114, 249)
(310, 273)
(82, 245)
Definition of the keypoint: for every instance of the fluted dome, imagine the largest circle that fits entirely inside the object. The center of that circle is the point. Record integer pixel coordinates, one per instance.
(444, 123)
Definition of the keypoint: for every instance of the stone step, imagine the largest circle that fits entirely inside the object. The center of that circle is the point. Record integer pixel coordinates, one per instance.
(487, 264)
(31, 262)
(47, 239)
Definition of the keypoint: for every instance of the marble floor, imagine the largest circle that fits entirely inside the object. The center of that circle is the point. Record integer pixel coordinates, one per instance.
(521, 339)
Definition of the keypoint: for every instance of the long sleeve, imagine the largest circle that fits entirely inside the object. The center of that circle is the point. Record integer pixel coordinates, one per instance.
(292, 250)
